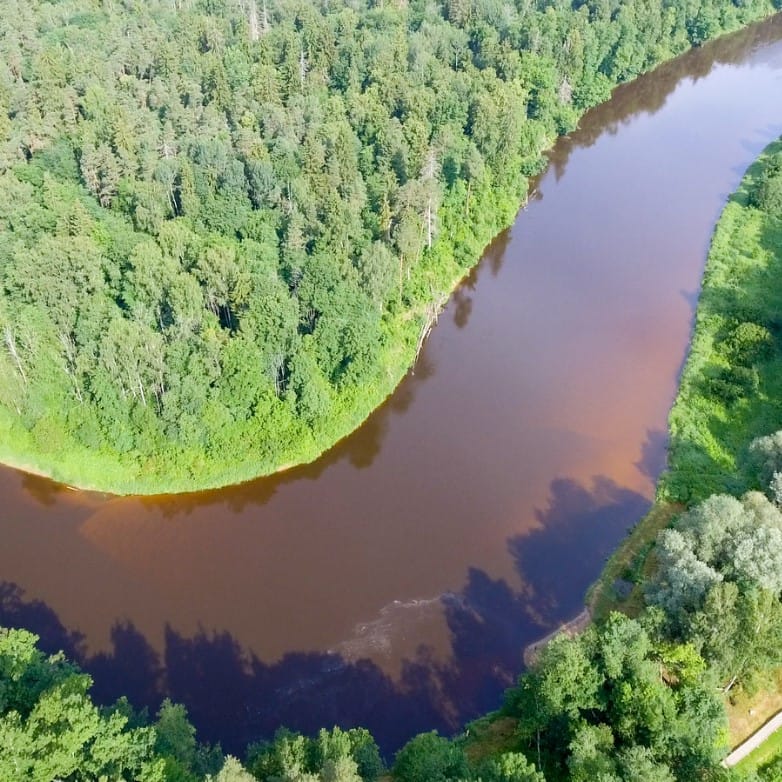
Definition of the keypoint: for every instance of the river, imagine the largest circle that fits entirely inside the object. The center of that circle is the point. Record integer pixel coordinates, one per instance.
(395, 582)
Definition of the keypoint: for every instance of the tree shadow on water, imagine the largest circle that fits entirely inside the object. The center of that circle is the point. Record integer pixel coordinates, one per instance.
(132, 668)
(43, 490)
(654, 454)
(36, 616)
(490, 626)
(578, 530)
(303, 691)
(236, 698)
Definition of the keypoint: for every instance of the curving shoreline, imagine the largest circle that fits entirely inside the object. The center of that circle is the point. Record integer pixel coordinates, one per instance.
(114, 476)
(352, 495)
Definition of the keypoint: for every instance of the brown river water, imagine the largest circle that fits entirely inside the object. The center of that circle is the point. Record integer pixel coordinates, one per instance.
(395, 582)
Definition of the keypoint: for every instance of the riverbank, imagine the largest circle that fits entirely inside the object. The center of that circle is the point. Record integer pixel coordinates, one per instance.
(576, 625)
(620, 585)
(709, 418)
(731, 386)
(713, 419)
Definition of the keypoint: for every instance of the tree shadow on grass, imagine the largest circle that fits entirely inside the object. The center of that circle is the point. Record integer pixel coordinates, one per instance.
(654, 454)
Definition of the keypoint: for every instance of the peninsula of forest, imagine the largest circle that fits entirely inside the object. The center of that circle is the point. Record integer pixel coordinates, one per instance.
(227, 225)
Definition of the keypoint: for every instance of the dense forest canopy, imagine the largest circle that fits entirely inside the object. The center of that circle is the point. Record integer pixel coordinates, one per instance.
(226, 223)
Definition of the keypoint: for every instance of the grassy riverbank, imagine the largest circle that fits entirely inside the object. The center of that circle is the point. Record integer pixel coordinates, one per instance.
(620, 586)
(731, 387)
(730, 394)
(168, 467)
(730, 390)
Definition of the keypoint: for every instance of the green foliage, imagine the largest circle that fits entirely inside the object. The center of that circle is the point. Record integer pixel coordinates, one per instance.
(430, 758)
(175, 734)
(771, 771)
(508, 767)
(748, 343)
(232, 771)
(767, 194)
(718, 580)
(50, 729)
(765, 456)
(731, 386)
(186, 760)
(357, 744)
(287, 757)
(333, 756)
(613, 703)
(223, 224)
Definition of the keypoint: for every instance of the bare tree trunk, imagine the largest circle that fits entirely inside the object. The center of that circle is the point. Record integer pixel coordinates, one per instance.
(726, 689)
(429, 176)
(302, 67)
(431, 319)
(10, 343)
(252, 19)
(265, 18)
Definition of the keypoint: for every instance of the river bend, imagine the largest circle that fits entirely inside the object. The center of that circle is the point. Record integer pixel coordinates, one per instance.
(395, 582)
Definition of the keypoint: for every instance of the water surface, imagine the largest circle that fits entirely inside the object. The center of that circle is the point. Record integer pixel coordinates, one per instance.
(395, 582)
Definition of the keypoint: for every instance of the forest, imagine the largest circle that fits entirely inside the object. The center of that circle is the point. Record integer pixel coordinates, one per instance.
(639, 696)
(226, 227)
(229, 224)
